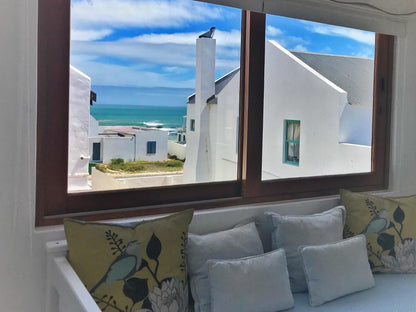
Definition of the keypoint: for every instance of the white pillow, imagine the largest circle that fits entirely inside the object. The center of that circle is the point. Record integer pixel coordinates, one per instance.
(337, 269)
(235, 243)
(290, 232)
(259, 283)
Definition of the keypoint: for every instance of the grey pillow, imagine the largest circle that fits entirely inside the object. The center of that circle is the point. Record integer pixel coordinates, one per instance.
(258, 283)
(290, 232)
(235, 243)
(337, 269)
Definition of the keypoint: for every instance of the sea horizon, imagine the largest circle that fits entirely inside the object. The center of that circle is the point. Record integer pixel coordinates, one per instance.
(162, 117)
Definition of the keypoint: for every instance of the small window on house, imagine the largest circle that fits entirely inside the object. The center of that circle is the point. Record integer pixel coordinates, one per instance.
(292, 141)
(192, 125)
(151, 147)
(96, 151)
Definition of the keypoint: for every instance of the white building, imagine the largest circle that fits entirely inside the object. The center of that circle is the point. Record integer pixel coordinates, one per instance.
(79, 125)
(88, 141)
(317, 116)
(129, 143)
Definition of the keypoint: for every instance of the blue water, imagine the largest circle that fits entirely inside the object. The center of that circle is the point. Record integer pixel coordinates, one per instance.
(137, 115)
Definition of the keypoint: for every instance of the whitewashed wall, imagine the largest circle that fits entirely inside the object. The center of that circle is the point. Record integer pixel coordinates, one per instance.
(161, 139)
(198, 164)
(117, 147)
(226, 131)
(293, 91)
(79, 118)
(23, 259)
(176, 149)
(94, 128)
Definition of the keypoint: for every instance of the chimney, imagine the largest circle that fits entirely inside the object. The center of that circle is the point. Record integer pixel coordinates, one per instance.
(198, 164)
(205, 71)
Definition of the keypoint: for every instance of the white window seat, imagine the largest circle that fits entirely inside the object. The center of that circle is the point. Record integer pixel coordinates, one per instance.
(393, 292)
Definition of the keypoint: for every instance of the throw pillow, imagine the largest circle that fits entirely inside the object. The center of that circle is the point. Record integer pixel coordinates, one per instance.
(259, 283)
(132, 268)
(235, 243)
(336, 269)
(290, 232)
(390, 227)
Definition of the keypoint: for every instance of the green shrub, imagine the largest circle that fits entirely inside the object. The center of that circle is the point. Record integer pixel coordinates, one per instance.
(101, 167)
(116, 164)
(174, 163)
(133, 167)
(117, 161)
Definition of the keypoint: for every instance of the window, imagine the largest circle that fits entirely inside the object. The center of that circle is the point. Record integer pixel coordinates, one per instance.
(53, 200)
(96, 151)
(151, 147)
(192, 126)
(292, 141)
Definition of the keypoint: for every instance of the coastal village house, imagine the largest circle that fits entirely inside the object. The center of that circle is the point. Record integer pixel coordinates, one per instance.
(89, 142)
(22, 240)
(321, 103)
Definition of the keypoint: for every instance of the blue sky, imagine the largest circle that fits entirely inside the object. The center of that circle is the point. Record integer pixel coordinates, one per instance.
(147, 43)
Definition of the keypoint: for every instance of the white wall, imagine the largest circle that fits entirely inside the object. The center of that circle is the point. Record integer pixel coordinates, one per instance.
(22, 260)
(293, 91)
(177, 149)
(161, 139)
(117, 147)
(79, 117)
(94, 127)
(225, 132)
(198, 164)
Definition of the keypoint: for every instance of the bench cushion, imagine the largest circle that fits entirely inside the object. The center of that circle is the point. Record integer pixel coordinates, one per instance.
(132, 267)
(392, 292)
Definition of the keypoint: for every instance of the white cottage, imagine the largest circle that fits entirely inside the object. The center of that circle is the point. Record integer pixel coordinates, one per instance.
(87, 141)
(325, 130)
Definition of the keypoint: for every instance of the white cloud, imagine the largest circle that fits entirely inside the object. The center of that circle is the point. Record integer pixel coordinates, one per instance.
(147, 53)
(354, 34)
(119, 75)
(300, 47)
(223, 38)
(365, 52)
(89, 35)
(327, 50)
(169, 50)
(133, 59)
(99, 14)
(273, 31)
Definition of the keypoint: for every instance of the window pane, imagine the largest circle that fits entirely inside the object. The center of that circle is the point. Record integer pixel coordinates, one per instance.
(289, 130)
(292, 152)
(142, 73)
(318, 99)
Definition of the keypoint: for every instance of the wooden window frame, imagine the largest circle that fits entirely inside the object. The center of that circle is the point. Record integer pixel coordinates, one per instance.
(53, 202)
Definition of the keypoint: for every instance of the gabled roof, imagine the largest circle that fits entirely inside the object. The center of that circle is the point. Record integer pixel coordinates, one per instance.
(219, 85)
(353, 74)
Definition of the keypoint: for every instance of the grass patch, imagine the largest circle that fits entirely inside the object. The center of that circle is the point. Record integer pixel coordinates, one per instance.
(141, 166)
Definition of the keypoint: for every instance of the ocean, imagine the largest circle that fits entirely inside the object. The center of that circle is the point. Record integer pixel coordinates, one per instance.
(164, 117)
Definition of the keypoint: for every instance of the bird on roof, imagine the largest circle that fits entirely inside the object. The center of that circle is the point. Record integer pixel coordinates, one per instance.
(208, 34)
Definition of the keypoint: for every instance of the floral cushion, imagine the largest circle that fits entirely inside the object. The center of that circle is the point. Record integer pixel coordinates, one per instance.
(390, 227)
(132, 268)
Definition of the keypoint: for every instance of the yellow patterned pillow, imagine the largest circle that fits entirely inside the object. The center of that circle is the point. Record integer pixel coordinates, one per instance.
(389, 224)
(138, 268)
